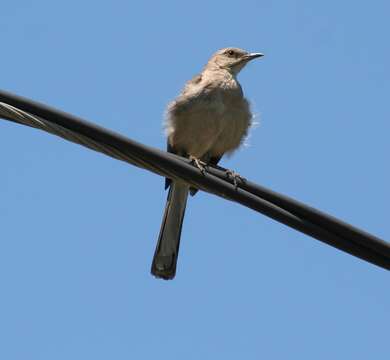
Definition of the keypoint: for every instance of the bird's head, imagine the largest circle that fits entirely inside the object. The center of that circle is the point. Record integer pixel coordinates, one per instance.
(232, 59)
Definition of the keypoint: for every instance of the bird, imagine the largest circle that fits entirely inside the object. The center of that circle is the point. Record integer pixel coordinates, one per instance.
(208, 119)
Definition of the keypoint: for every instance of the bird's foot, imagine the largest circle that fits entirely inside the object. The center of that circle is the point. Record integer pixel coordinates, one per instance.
(235, 176)
(201, 165)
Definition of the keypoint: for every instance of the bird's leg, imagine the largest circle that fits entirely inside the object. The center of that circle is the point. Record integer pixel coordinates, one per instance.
(201, 165)
(235, 176)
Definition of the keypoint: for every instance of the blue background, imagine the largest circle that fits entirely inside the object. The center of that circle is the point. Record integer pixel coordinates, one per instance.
(78, 229)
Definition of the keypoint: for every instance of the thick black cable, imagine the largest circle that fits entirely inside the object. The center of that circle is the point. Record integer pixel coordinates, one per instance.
(315, 216)
(281, 208)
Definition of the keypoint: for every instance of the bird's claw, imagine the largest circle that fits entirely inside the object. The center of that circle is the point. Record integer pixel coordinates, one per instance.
(201, 165)
(236, 177)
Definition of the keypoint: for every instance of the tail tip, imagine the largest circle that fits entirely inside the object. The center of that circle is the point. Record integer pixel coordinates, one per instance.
(164, 267)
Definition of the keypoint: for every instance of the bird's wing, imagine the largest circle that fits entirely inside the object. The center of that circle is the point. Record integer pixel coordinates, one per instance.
(199, 95)
(193, 100)
(190, 83)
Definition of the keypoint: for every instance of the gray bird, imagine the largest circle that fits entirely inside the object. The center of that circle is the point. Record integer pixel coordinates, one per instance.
(210, 118)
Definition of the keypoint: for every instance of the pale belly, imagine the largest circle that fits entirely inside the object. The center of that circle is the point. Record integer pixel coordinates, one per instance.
(211, 132)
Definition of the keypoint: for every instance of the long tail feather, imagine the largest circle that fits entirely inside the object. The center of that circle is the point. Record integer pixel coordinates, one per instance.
(167, 249)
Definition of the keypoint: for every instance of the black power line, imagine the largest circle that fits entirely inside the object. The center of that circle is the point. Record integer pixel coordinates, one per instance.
(279, 207)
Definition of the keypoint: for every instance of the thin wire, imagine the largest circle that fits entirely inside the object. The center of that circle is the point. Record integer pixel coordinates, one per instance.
(279, 207)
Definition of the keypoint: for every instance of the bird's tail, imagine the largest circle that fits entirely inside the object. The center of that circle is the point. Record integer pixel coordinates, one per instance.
(167, 249)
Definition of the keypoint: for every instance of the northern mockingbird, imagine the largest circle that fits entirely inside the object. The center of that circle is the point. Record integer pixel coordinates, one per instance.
(210, 118)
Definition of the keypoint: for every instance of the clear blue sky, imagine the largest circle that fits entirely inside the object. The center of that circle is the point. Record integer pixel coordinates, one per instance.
(78, 229)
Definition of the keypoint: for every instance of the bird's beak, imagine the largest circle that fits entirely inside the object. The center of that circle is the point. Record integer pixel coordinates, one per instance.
(252, 56)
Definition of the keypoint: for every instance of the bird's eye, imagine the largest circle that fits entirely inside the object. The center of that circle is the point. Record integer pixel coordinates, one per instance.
(230, 52)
